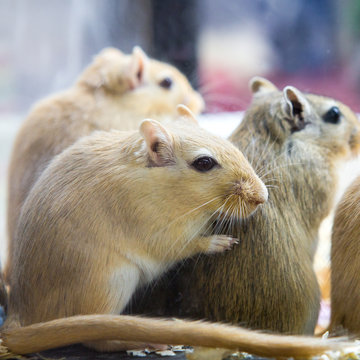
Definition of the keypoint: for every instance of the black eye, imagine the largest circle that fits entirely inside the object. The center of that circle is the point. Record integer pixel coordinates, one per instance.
(204, 163)
(333, 115)
(166, 83)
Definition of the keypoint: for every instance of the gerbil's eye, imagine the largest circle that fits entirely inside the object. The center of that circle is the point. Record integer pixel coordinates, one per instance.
(204, 163)
(333, 115)
(166, 83)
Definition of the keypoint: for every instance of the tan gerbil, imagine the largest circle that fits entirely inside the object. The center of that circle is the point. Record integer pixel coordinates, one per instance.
(112, 212)
(295, 141)
(345, 260)
(115, 210)
(116, 91)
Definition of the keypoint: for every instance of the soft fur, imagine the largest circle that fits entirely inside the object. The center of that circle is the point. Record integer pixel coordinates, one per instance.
(115, 210)
(116, 91)
(268, 281)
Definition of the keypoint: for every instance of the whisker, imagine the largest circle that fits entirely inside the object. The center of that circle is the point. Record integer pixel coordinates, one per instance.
(187, 213)
(266, 150)
(279, 167)
(269, 164)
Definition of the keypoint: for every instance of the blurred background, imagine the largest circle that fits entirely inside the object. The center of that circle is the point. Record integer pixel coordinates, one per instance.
(220, 45)
(313, 44)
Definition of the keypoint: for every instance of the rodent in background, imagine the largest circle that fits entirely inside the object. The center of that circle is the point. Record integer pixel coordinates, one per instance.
(112, 212)
(116, 91)
(115, 210)
(267, 282)
(345, 260)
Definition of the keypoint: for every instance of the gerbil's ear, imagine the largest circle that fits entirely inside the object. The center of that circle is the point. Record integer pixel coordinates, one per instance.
(137, 67)
(259, 85)
(159, 143)
(185, 112)
(296, 107)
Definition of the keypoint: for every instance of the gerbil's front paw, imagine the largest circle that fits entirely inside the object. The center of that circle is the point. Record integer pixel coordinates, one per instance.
(220, 243)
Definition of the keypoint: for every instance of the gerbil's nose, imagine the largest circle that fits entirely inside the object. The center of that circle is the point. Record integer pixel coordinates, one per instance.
(258, 200)
(259, 196)
(254, 192)
(263, 194)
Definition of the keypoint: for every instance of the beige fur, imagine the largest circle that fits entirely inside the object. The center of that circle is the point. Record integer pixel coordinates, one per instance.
(116, 91)
(267, 281)
(115, 210)
(75, 269)
(345, 258)
(75, 329)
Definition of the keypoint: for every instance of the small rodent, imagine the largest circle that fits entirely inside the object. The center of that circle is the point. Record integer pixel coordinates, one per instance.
(294, 141)
(345, 259)
(115, 210)
(116, 91)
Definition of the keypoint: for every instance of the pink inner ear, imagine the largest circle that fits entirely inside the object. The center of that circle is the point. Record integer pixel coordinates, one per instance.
(154, 135)
(140, 71)
(151, 137)
(136, 70)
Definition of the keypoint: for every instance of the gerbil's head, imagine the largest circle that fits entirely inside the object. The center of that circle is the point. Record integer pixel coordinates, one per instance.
(197, 171)
(291, 117)
(147, 84)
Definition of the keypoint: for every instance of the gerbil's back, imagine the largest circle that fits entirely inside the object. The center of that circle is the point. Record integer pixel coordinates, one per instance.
(51, 126)
(64, 232)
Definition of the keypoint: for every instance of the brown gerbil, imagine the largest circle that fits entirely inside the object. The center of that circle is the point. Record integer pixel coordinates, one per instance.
(268, 281)
(115, 210)
(345, 259)
(116, 91)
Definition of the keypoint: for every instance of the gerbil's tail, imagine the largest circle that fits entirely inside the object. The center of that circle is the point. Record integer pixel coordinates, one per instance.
(77, 329)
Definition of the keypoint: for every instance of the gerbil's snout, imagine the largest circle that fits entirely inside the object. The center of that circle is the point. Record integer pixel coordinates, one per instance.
(251, 193)
(258, 200)
(194, 102)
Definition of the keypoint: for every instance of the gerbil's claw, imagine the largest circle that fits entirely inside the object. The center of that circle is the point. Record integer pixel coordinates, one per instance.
(220, 243)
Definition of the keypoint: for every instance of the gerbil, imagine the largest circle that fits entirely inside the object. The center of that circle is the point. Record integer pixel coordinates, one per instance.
(115, 210)
(116, 91)
(267, 281)
(345, 259)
